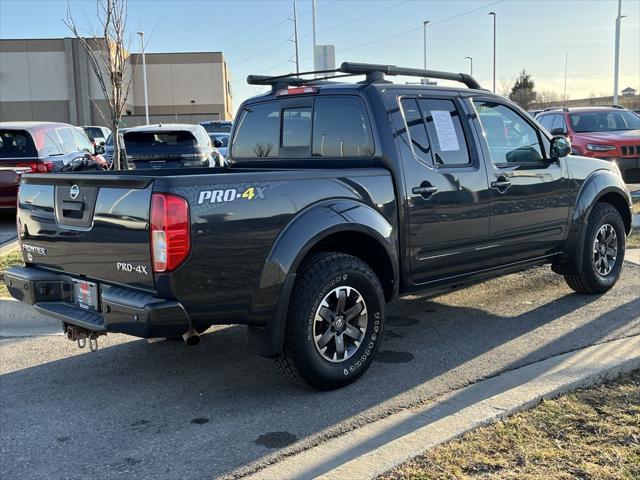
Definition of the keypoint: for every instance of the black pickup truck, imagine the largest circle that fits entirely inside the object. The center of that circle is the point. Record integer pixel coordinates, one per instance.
(338, 197)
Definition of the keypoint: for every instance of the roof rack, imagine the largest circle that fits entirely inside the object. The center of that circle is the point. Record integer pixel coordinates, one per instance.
(374, 74)
(548, 109)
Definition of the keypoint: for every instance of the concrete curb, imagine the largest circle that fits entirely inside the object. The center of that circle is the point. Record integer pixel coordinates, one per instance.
(380, 446)
(9, 246)
(20, 320)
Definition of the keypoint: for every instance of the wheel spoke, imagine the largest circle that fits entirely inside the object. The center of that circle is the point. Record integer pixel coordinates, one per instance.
(339, 346)
(353, 332)
(342, 300)
(324, 338)
(611, 252)
(354, 311)
(326, 314)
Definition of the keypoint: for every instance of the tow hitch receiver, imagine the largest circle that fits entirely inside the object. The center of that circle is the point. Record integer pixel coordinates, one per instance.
(80, 335)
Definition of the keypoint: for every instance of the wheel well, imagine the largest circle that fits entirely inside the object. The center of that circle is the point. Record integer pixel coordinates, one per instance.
(620, 204)
(367, 249)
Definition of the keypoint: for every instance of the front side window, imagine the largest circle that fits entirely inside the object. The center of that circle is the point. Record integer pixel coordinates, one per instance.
(559, 124)
(258, 132)
(510, 138)
(83, 142)
(547, 121)
(341, 128)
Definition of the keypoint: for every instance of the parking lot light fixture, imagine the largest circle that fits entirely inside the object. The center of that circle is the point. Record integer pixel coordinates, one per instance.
(424, 50)
(471, 66)
(144, 78)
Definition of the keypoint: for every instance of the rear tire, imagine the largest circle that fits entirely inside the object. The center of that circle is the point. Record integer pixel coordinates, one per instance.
(335, 321)
(603, 253)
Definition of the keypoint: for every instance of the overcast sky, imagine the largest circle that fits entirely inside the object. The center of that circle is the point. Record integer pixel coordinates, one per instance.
(254, 36)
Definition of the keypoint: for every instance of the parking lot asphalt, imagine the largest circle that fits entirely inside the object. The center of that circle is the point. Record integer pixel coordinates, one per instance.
(166, 410)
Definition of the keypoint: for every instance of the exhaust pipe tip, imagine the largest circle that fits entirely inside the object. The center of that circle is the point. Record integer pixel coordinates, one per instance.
(191, 337)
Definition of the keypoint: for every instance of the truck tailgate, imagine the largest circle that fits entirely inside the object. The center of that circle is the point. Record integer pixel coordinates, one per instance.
(94, 226)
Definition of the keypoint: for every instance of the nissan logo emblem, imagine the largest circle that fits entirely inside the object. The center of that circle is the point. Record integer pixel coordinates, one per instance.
(74, 192)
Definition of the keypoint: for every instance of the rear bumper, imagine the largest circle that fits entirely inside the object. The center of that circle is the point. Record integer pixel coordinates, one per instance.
(123, 310)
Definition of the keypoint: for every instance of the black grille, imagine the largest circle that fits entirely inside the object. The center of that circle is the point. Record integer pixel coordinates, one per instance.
(630, 150)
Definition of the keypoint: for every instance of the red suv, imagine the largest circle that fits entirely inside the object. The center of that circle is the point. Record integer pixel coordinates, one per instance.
(609, 133)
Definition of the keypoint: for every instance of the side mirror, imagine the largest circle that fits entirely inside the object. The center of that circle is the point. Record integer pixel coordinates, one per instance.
(560, 147)
(217, 143)
(558, 131)
(99, 149)
(102, 143)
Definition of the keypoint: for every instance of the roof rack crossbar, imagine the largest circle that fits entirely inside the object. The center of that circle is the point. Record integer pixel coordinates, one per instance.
(374, 73)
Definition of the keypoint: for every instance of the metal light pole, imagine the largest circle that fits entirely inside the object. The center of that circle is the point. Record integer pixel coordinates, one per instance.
(617, 54)
(424, 63)
(313, 21)
(566, 62)
(295, 33)
(494, 50)
(144, 78)
(471, 61)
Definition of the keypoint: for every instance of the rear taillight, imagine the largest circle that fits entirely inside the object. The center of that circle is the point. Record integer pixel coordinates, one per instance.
(37, 167)
(170, 231)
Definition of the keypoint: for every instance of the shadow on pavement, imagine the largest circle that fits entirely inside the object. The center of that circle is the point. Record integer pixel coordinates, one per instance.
(167, 410)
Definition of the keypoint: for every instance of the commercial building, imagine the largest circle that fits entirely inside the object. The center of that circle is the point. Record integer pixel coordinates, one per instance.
(52, 79)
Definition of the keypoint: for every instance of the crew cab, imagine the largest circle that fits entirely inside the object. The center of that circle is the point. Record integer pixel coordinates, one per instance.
(338, 198)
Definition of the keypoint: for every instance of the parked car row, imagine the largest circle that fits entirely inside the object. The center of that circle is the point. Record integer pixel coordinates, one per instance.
(609, 133)
(42, 147)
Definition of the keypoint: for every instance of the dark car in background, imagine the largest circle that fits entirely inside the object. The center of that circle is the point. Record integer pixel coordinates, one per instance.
(97, 134)
(168, 146)
(221, 142)
(217, 126)
(608, 133)
(41, 147)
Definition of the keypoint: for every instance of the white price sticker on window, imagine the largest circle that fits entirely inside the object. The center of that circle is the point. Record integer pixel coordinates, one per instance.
(445, 130)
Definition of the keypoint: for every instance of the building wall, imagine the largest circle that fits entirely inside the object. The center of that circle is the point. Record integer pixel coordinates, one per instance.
(52, 79)
(33, 80)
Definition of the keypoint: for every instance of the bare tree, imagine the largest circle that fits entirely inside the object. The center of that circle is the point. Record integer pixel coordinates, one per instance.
(107, 53)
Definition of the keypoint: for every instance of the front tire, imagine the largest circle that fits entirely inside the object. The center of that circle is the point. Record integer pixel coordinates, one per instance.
(603, 254)
(335, 321)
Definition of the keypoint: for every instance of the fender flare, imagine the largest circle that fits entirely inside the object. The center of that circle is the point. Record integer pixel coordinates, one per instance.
(317, 222)
(594, 188)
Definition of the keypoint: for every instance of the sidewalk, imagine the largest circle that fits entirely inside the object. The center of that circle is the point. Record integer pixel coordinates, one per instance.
(377, 447)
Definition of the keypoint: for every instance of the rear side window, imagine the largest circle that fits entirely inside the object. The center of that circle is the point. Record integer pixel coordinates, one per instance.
(415, 129)
(16, 144)
(435, 131)
(67, 140)
(258, 132)
(341, 128)
(51, 144)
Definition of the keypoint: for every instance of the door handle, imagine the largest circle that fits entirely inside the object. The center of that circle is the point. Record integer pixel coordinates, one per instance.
(425, 189)
(501, 184)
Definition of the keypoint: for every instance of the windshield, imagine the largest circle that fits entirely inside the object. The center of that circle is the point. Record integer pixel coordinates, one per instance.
(224, 139)
(16, 144)
(94, 132)
(159, 139)
(604, 121)
(217, 127)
